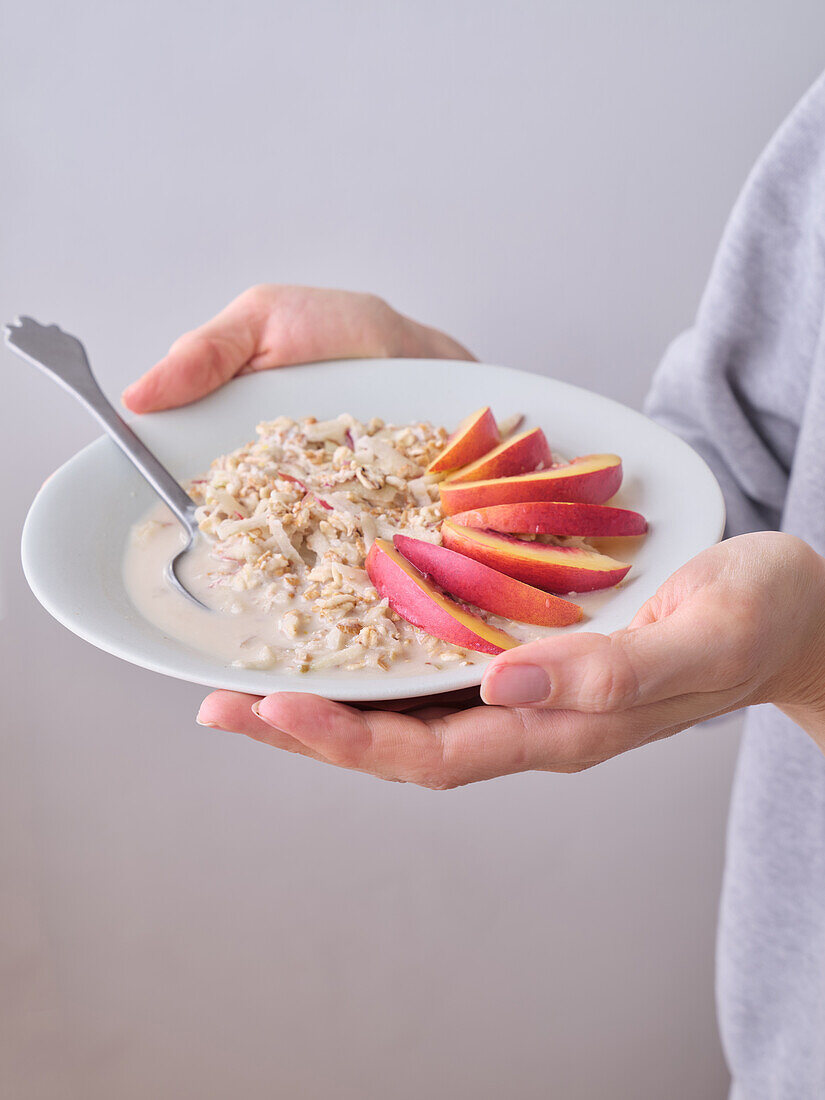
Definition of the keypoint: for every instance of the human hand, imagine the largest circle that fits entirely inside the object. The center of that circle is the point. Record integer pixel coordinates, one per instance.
(276, 326)
(741, 623)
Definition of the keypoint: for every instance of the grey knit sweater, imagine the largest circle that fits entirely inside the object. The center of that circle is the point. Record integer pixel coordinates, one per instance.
(746, 387)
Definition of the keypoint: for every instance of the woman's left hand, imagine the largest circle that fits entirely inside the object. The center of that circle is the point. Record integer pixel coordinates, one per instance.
(741, 623)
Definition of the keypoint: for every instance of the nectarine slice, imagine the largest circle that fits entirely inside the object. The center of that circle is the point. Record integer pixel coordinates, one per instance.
(475, 435)
(418, 601)
(555, 517)
(554, 568)
(517, 455)
(485, 587)
(592, 479)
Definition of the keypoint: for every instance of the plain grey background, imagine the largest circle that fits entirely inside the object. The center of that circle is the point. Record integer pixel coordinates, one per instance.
(187, 914)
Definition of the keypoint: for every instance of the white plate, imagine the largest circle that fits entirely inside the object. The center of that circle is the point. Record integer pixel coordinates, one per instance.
(76, 530)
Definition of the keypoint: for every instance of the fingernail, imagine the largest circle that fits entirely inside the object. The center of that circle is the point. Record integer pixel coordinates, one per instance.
(203, 722)
(256, 710)
(515, 685)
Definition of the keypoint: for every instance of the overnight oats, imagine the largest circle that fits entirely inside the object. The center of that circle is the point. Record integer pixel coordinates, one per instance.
(325, 546)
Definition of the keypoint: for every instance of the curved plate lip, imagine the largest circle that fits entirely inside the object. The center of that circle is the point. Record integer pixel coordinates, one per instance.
(173, 658)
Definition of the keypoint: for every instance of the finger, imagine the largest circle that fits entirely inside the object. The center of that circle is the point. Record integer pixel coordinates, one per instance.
(267, 326)
(686, 652)
(432, 712)
(417, 340)
(439, 749)
(233, 712)
(202, 360)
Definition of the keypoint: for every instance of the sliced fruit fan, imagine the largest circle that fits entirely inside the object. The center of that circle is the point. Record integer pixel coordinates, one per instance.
(493, 491)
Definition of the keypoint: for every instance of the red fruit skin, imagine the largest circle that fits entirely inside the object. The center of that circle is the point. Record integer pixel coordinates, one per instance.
(591, 479)
(555, 517)
(415, 599)
(485, 587)
(517, 455)
(475, 436)
(553, 568)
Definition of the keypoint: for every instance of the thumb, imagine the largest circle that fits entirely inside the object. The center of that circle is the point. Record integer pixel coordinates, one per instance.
(599, 672)
(202, 360)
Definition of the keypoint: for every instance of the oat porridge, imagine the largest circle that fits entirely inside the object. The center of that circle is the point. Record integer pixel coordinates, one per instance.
(288, 520)
(346, 545)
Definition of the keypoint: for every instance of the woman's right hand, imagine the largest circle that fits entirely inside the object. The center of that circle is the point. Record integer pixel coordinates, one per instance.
(277, 326)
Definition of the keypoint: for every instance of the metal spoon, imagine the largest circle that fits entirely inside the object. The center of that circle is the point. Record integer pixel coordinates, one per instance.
(64, 359)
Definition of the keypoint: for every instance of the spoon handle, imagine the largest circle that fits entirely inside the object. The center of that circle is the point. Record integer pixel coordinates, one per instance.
(64, 359)
(167, 488)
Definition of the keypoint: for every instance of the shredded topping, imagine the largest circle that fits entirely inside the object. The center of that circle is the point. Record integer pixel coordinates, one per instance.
(292, 516)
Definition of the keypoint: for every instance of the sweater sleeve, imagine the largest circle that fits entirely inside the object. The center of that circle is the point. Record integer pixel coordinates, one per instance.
(734, 386)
